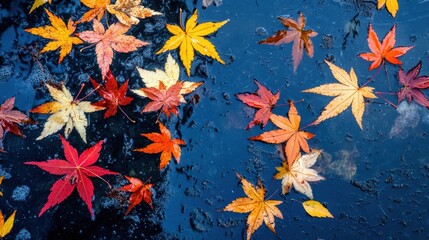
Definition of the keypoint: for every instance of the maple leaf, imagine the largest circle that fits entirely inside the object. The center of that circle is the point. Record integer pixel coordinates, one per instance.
(9, 118)
(139, 191)
(78, 169)
(299, 174)
(162, 143)
(412, 85)
(59, 33)
(381, 52)
(114, 97)
(98, 7)
(38, 3)
(263, 100)
(346, 93)
(113, 38)
(65, 111)
(128, 12)
(391, 6)
(191, 38)
(316, 209)
(261, 210)
(166, 99)
(6, 227)
(168, 77)
(295, 32)
(289, 132)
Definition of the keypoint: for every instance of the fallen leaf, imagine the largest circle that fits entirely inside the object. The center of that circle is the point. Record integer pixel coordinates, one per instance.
(162, 143)
(166, 99)
(295, 32)
(1, 181)
(65, 111)
(259, 208)
(381, 52)
(6, 227)
(59, 33)
(299, 174)
(128, 12)
(412, 85)
(98, 7)
(316, 209)
(168, 77)
(263, 100)
(9, 118)
(289, 132)
(139, 191)
(114, 97)
(78, 169)
(38, 3)
(191, 38)
(106, 41)
(391, 6)
(346, 93)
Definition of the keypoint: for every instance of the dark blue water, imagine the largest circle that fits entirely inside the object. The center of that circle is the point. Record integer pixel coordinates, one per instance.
(376, 179)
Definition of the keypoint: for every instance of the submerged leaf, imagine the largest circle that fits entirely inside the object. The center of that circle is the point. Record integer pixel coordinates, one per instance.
(412, 85)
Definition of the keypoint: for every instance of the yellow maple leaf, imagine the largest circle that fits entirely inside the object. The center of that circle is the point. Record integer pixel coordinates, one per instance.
(168, 77)
(98, 7)
(392, 6)
(59, 33)
(192, 38)
(346, 93)
(316, 209)
(128, 12)
(6, 227)
(65, 111)
(38, 3)
(261, 210)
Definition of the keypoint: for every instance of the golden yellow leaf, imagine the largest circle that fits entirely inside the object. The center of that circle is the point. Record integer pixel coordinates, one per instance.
(261, 210)
(6, 227)
(1, 181)
(192, 38)
(38, 3)
(346, 93)
(316, 209)
(168, 77)
(59, 33)
(392, 6)
(98, 7)
(65, 111)
(128, 12)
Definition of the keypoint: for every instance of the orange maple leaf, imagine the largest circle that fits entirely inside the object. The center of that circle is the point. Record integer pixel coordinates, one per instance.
(381, 52)
(162, 143)
(289, 132)
(97, 9)
(166, 99)
(139, 191)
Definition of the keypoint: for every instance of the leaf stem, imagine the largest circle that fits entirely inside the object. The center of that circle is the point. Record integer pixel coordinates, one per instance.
(387, 76)
(126, 115)
(389, 102)
(80, 91)
(372, 78)
(180, 19)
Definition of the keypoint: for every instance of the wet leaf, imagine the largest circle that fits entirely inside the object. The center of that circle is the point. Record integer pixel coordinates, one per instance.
(288, 133)
(106, 41)
(295, 32)
(347, 93)
(97, 9)
(10, 119)
(6, 227)
(65, 111)
(162, 143)
(316, 209)
(391, 6)
(77, 170)
(38, 3)
(263, 100)
(128, 12)
(139, 191)
(381, 52)
(165, 99)
(412, 85)
(261, 210)
(59, 33)
(299, 174)
(168, 77)
(113, 95)
(192, 38)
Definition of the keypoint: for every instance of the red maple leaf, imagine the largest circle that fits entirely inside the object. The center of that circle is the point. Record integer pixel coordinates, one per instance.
(412, 85)
(9, 119)
(263, 100)
(165, 99)
(384, 51)
(77, 170)
(139, 191)
(114, 97)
